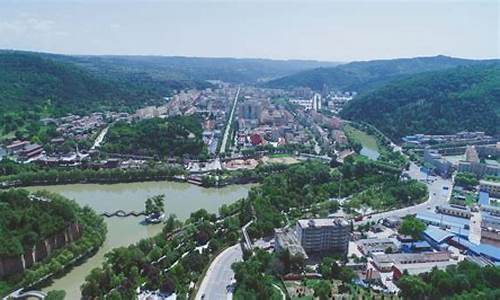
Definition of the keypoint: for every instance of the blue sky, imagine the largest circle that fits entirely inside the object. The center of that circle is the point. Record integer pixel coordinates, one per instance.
(323, 30)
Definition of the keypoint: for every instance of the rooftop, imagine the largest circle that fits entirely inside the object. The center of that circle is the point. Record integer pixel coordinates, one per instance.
(484, 198)
(489, 251)
(406, 258)
(313, 223)
(445, 220)
(489, 182)
(287, 239)
(437, 234)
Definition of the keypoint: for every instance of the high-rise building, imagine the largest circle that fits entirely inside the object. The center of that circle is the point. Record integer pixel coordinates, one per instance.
(250, 110)
(320, 235)
(316, 102)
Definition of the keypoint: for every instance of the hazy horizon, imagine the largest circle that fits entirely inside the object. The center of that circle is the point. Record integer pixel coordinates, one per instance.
(317, 30)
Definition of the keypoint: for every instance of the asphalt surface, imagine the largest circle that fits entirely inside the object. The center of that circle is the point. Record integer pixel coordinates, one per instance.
(217, 283)
(230, 120)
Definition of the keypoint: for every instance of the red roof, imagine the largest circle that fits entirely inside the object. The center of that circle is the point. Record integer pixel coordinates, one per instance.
(256, 139)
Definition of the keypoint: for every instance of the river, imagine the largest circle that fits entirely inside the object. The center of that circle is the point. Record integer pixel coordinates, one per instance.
(180, 199)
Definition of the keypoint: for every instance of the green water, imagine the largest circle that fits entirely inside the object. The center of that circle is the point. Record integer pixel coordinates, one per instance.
(181, 199)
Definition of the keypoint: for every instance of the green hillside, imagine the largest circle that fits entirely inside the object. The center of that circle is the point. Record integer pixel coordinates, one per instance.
(179, 68)
(32, 86)
(463, 98)
(366, 75)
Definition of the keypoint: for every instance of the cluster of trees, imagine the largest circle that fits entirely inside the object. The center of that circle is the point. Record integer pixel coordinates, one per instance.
(160, 138)
(466, 180)
(30, 221)
(254, 276)
(26, 175)
(155, 204)
(390, 194)
(302, 185)
(463, 281)
(375, 185)
(441, 102)
(329, 268)
(24, 221)
(159, 262)
(413, 227)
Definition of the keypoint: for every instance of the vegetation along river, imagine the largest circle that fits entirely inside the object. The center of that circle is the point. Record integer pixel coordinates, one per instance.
(180, 199)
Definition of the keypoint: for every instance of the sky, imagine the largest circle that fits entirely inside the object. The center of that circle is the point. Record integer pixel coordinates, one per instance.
(314, 29)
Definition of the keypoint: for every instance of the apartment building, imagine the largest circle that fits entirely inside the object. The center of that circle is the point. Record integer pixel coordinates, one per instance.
(320, 235)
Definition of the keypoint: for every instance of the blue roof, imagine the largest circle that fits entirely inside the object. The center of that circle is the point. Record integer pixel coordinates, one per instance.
(484, 198)
(437, 234)
(446, 220)
(421, 244)
(489, 251)
(464, 233)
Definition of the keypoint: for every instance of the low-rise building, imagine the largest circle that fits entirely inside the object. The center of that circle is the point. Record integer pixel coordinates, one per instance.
(437, 237)
(490, 187)
(478, 168)
(286, 239)
(444, 221)
(455, 210)
(378, 246)
(386, 262)
(440, 165)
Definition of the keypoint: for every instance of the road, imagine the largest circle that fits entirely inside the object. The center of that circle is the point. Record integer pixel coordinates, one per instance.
(100, 138)
(216, 284)
(437, 196)
(229, 121)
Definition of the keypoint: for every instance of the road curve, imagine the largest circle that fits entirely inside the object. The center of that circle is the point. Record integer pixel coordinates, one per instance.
(216, 284)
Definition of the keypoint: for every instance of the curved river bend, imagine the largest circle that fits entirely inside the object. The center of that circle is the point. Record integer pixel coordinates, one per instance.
(181, 199)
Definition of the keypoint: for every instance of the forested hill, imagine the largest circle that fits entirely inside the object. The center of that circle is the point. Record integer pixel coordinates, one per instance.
(366, 75)
(33, 85)
(440, 102)
(179, 68)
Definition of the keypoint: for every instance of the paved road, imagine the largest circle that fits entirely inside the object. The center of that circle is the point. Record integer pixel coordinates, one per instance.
(100, 138)
(220, 275)
(437, 196)
(229, 121)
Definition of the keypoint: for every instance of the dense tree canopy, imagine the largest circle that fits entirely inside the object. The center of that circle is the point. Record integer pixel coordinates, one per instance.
(463, 281)
(441, 102)
(32, 86)
(24, 221)
(175, 136)
(365, 75)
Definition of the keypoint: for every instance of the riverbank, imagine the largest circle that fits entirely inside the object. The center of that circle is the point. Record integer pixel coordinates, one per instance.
(78, 175)
(181, 199)
(89, 234)
(368, 142)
